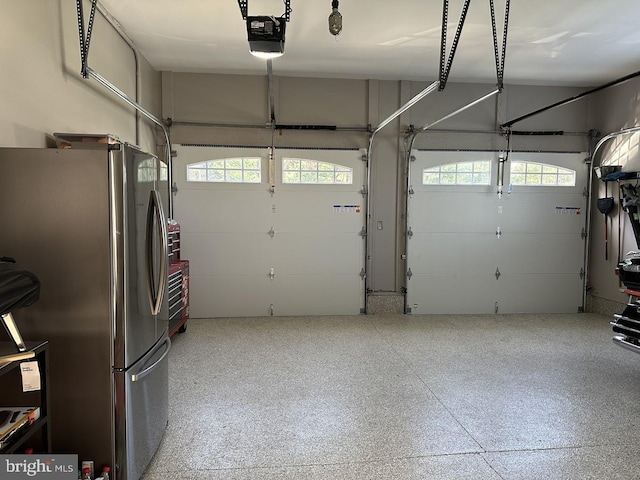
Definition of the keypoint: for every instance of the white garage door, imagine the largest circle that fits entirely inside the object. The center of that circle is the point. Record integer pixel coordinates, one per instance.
(473, 251)
(281, 240)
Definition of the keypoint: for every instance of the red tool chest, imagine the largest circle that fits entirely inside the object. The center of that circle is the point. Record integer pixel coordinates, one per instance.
(178, 282)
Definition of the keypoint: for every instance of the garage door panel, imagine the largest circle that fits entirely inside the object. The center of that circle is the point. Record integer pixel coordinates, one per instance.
(539, 253)
(340, 254)
(447, 252)
(312, 294)
(319, 212)
(458, 293)
(224, 211)
(454, 251)
(461, 212)
(236, 234)
(552, 213)
(229, 295)
(227, 253)
(530, 293)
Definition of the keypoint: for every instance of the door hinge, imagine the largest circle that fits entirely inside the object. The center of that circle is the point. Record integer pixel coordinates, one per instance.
(363, 232)
(364, 191)
(410, 233)
(411, 191)
(174, 188)
(583, 234)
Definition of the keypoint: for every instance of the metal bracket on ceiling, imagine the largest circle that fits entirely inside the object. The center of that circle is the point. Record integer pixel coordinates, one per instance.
(500, 58)
(243, 4)
(445, 65)
(287, 10)
(85, 39)
(244, 9)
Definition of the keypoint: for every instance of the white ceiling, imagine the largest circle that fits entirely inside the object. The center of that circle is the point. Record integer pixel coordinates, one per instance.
(550, 42)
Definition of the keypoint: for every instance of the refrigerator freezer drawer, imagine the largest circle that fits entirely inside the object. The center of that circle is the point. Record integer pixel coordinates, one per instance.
(147, 407)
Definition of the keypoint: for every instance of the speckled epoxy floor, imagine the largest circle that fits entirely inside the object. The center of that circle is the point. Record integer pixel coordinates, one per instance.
(401, 397)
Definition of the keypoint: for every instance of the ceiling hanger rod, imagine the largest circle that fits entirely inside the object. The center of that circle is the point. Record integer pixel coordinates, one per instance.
(500, 59)
(460, 110)
(406, 106)
(572, 99)
(445, 65)
(425, 128)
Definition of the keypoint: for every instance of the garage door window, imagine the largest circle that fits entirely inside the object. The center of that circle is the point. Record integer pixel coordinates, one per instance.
(304, 171)
(463, 173)
(541, 174)
(226, 170)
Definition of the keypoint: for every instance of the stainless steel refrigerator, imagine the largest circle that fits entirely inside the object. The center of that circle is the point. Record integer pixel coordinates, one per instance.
(90, 222)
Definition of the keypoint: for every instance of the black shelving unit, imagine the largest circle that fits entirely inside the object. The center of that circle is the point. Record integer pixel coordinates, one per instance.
(11, 394)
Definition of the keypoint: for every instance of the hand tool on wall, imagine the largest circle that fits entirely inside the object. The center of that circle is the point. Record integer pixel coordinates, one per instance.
(630, 203)
(605, 206)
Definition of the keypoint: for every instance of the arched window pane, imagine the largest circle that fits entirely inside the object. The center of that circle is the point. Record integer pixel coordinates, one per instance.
(230, 170)
(305, 171)
(463, 173)
(541, 174)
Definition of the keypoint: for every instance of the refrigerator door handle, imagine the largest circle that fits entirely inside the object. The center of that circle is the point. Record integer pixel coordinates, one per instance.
(146, 371)
(155, 210)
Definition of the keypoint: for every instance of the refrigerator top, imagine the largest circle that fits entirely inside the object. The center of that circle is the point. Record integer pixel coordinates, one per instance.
(67, 140)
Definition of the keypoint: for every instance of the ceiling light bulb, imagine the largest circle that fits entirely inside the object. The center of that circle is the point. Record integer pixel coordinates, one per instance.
(266, 55)
(335, 19)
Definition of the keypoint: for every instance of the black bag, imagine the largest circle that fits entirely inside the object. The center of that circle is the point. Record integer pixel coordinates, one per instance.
(19, 288)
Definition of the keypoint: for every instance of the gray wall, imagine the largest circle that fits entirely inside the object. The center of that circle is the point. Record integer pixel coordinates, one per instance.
(612, 110)
(42, 90)
(236, 101)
